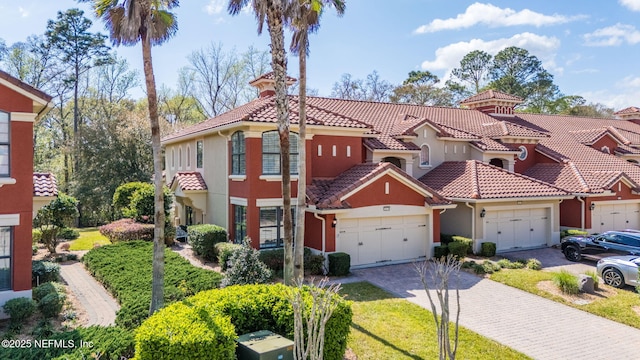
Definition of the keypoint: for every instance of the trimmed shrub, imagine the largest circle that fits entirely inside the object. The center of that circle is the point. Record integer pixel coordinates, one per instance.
(313, 264)
(44, 271)
(273, 258)
(246, 267)
(572, 232)
(534, 264)
(45, 289)
(203, 239)
(122, 196)
(465, 240)
(488, 249)
(490, 267)
(339, 263)
(125, 269)
(446, 238)
(458, 249)
(51, 305)
(567, 282)
(36, 236)
(19, 309)
(127, 230)
(224, 251)
(440, 251)
(179, 328)
(68, 234)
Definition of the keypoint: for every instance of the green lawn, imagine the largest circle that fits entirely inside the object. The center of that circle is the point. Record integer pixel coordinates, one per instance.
(618, 307)
(88, 237)
(386, 327)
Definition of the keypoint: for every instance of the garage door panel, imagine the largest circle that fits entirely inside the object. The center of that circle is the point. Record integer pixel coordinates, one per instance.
(518, 228)
(392, 244)
(615, 216)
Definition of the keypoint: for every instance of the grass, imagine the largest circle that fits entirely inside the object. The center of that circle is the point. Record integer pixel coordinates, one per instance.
(88, 238)
(618, 307)
(386, 327)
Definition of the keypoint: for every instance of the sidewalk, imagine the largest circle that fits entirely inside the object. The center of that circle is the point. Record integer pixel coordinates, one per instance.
(535, 326)
(99, 305)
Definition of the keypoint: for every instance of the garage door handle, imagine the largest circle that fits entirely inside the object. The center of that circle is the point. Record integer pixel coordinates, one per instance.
(499, 232)
(530, 229)
(360, 244)
(405, 239)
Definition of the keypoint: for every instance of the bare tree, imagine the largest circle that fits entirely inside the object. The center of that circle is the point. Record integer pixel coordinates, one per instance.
(372, 89)
(439, 272)
(312, 319)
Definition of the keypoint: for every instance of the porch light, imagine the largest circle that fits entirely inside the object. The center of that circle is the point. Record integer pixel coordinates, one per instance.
(334, 222)
(483, 213)
(592, 206)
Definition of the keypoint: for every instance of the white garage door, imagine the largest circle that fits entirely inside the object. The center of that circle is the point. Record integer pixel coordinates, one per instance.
(615, 216)
(382, 239)
(522, 228)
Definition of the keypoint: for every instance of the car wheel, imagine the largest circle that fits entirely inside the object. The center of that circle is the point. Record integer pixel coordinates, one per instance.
(572, 253)
(613, 277)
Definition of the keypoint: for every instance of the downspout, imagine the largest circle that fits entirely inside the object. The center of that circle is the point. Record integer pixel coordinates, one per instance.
(473, 223)
(582, 210)
(324, 236)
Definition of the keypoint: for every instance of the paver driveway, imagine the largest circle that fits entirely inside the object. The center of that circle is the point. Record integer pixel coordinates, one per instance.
(540, 328)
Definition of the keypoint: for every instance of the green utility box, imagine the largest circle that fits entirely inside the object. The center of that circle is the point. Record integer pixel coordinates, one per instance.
(264, 345)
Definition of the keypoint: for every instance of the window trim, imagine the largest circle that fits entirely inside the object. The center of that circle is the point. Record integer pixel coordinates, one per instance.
(10, 257)
(8, 145)
(239, 230)
(293, 143)
(278, 225)
(428, 164)
(238, 153)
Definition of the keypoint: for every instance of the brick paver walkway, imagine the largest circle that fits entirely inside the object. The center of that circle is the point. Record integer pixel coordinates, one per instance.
(540, 328)
(100, 306)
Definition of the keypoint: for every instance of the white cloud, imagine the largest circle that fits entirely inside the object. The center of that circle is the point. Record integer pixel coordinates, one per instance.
(543, 47)
(623, 94)
(215, 7)
(613, 36)
(633, 5)
(493, 16)
(23, 12)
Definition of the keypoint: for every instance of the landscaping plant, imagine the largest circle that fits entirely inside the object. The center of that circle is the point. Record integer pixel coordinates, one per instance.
(566, 281)
(54, 217)
(246, 267)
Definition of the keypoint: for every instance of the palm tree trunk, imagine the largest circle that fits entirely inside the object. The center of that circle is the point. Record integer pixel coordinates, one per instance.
(298, 251)
(157, 284)
(279, 64)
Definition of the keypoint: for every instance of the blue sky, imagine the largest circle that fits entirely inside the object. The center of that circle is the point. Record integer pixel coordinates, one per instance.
(590, 46)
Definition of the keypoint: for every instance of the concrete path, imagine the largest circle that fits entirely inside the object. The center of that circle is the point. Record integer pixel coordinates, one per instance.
(98, 303)
(540, 328)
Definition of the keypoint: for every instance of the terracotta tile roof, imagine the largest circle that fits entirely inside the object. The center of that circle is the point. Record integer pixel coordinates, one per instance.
(474, 179)
(271, 76)
(44, 184)
(492, 145)
(189, 181)
(562, 175)
(489, 95)
(326, 193)
(625, 149)
(389, 143)
(629, 110)
(25, 86)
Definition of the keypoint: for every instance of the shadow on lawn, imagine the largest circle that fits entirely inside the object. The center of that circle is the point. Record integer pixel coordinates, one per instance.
(385, 342)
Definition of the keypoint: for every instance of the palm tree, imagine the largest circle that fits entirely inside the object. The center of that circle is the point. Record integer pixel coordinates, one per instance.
(275, 13)
(305, 19)
(151, 23)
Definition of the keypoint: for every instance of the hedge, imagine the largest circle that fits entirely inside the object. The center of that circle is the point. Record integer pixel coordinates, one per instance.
(458, 249)
(204, 237)
(44, 271)
(125, 269)
(339, 264)
(488, 249)
(224, 251)
(199, 327)
(465, 240)
(572, 232)
(112, 343)
(274, 259)
(127, 230)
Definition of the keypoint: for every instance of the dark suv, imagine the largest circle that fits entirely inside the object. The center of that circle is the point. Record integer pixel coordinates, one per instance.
(614, 242)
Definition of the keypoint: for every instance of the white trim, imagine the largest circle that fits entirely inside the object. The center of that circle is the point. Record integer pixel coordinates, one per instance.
(394, 175)
(7, 181)
(237, 177)
(273, 202)
(238, 201)
(23, 116)
(10, 220)
(276, 177)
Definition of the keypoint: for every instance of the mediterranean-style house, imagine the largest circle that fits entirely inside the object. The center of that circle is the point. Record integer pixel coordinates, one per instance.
(20, 106)
(384, 180)
(45, 190)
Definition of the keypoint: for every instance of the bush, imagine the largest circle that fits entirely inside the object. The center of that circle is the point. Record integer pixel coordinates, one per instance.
(339, 264)
(446, 238)
(203, 239)
(458, 249)
(44, 271)
(55, 216)
(34, 249)
(273, 258)
(508, 264)
(45, 289)
(19, 309)
(567, 282)
(534, 264)
(125, 270)
(313, 264)
(127, 230)
(178, 328)
(490, 267)
(123, 194)
(572, 232)
(488, 249)
(36, 236)
(440, 251)
(465, 240)
(51, 304)
(246, 267)
(224, 251)
(68, 234)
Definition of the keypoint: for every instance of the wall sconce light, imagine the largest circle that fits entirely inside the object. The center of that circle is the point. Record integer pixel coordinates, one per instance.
(483, 213)
(334, 222)
(592, 206)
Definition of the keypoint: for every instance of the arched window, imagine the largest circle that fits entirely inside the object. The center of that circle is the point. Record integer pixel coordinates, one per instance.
(180, 157)
(425, 154)
(271, 153)
(523, 153)
(497, 162)
(188, 156)
(238, 166)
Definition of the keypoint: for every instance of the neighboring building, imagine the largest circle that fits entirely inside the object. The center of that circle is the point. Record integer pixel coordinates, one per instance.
(45, 190)
(20, 106)
(385, 179)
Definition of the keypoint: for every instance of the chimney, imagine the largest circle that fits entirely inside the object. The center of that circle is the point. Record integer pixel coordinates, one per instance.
(492, 102)
(265, 83)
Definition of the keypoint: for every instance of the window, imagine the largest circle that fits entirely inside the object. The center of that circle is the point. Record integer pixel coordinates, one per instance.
(523, 153)
(199, 149)
(173, 158)
(180, 158)
(425, 155)
(271, 226)
(188, 211)
(5, 257)
(240, 223)
(238, 166)
(188, 157)
(271, 153)
(4, 144)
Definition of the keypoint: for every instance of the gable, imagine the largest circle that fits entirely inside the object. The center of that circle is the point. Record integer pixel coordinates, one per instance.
(386, 189)
(606, 142)
(12, 101)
